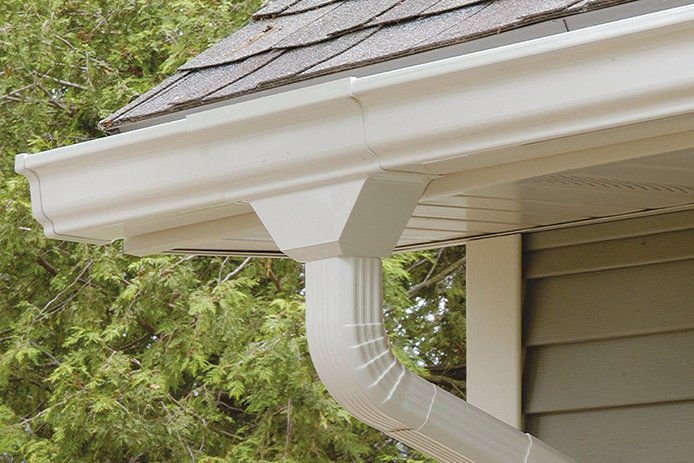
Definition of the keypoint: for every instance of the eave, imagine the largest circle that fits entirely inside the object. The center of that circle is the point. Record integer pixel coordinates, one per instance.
(480, 125)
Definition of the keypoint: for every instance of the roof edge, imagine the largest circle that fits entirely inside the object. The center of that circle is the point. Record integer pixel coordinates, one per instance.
(128, 184)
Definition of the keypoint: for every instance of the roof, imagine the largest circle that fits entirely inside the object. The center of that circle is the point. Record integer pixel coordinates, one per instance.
(546, 132)
(292, 40)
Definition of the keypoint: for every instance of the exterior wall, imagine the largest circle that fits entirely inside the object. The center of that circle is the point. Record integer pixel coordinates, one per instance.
(609, 338)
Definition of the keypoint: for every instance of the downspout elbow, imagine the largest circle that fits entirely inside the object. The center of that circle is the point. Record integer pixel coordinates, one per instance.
(352, 355)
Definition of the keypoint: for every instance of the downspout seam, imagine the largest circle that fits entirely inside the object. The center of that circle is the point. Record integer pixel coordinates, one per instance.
(431, 406)
(530, 447)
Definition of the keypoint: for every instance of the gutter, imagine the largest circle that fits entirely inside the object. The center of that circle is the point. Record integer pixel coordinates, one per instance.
(350, 350)
(581, 90)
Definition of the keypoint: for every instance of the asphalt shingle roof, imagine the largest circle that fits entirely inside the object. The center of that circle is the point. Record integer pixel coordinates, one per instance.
(291, 40)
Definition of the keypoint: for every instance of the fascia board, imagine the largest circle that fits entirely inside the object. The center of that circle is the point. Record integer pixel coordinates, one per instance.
(441, 117)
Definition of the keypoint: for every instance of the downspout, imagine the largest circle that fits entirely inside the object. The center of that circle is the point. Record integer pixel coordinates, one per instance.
(350, 350)
(341, 231)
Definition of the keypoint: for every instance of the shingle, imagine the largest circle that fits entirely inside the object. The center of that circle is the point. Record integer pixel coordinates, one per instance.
(551, 8)
(210, 80)
(149, 94)
(291, 63)
(395, 40)
(222, 51)
(199, 83)
(587, 5)
(273, 8)
(500, 15)
(411, 9)
(305, 5)
(256, 37)
(348, 15)
(405, 9)
(447, 5)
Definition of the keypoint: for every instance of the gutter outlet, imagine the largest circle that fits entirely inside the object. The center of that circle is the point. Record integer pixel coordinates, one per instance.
(342, 231)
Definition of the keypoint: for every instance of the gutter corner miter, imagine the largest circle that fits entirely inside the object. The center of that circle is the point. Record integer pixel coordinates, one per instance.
(341, 231)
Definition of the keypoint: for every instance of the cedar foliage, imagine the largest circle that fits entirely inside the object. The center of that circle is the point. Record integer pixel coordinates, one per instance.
(110, 358)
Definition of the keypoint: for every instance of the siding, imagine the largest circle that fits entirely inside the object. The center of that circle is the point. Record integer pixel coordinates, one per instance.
(656, 433)
(609, 337)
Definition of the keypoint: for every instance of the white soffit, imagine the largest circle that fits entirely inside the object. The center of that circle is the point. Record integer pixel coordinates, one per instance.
(565, 197)
(588, 124)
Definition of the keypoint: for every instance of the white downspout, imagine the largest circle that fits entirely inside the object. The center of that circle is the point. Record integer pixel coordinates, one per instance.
(327, 227)
(351, 352)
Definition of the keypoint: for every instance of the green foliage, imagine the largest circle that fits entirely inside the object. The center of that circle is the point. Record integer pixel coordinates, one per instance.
(110, 358)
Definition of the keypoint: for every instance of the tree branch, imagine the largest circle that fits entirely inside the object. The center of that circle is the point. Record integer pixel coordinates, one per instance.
(440, 379)
(13, 93)
(134, 342)
(236, 270)
(65, 42)
(271, 274)
(75, 281)
(436, 262)
(435, 279)
(221, 267)
(417, 264)
(66, 83)
(51, 99)
(44, 263)
(56, 362)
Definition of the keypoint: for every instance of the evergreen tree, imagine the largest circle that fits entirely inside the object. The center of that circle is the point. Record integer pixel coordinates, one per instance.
(110, 358)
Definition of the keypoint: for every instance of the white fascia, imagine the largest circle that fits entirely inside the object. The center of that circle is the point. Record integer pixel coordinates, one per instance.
(580, 90)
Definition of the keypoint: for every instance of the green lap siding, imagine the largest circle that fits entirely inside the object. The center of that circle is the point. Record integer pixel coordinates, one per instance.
(609, 339)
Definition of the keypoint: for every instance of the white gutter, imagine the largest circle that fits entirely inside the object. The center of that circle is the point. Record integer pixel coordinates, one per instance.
(350, 350)
(589, 88)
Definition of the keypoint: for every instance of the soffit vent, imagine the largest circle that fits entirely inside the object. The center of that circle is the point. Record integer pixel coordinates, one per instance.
(576, 181)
